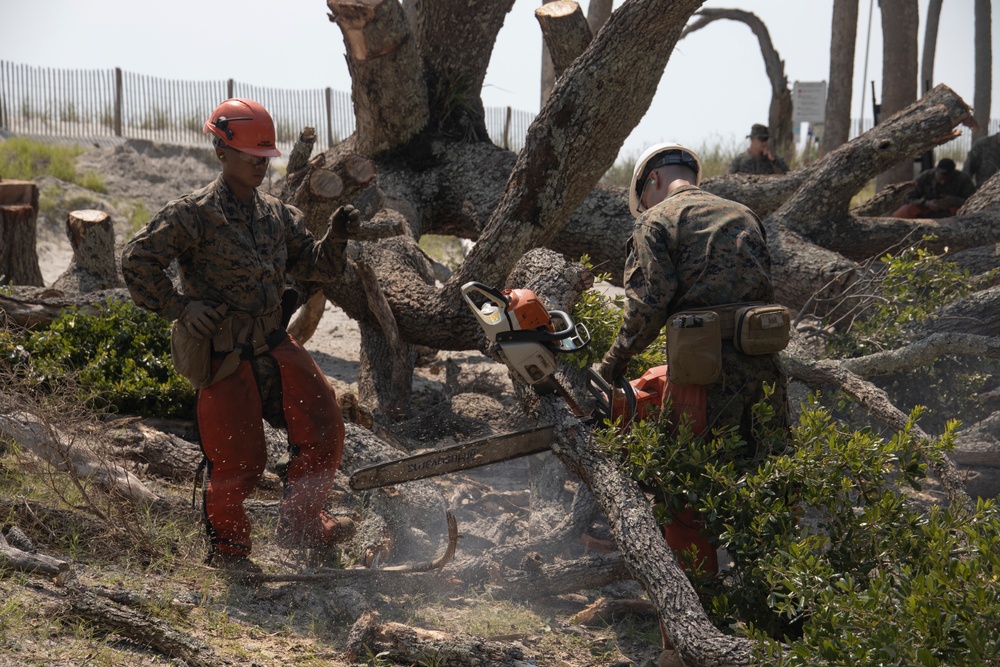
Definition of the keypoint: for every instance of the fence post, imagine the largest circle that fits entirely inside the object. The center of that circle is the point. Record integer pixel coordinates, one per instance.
(329, 116)
(506, 129)
(118, 101)
(229, 89)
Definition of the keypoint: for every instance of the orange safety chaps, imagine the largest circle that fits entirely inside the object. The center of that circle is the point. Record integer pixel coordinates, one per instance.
(230, 422)
(684, 530)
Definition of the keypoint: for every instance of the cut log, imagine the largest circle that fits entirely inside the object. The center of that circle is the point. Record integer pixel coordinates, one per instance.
(142, 629)
(565, 31)
(49, 444)
(160, 453)
(30, 306)
(407, 645)
(18, 237)
(93, 267)
(603, 611)
(12, 558)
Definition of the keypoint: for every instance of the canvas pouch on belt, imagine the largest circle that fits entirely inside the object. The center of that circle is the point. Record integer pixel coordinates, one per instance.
(694, 348)
(192, 356)
(762, 329)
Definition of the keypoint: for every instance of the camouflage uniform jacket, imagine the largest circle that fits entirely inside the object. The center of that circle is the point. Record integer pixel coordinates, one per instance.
(697, 250)
(226, 252)
(744, 163)
(692, 250)
(955, 191)
(983, 159)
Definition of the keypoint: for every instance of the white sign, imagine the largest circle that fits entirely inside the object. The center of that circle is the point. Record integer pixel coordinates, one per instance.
(808, 101)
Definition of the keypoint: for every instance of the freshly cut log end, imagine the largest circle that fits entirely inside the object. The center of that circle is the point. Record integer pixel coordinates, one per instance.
(557, 9)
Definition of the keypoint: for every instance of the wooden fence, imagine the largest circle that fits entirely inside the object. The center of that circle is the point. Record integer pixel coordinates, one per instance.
(91, 106)
(94, 105)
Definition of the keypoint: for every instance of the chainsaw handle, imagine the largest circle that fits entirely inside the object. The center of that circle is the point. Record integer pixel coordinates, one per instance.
(574, 337)
(491, 322)
(604, 394)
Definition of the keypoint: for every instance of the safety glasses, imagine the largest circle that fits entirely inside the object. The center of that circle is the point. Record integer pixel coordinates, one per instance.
(252, 159)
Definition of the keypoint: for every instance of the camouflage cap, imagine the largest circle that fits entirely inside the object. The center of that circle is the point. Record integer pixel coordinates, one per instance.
(759, 131)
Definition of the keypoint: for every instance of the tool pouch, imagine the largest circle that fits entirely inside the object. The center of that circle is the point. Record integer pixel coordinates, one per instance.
(694, 348)
(762, 329)
(192, 356)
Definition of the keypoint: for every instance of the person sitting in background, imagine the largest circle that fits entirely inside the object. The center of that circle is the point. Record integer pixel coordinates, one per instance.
(938, 193)
(758, 159)
(983, 159)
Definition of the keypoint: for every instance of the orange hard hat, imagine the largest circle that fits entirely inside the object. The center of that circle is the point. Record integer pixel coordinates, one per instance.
(244, 125)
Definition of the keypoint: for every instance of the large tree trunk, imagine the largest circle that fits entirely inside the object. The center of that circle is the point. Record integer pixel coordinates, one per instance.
(900, 21)
(930, 44)
(984, 68)
(380, 49)
(454, 54)
(779, 117)
(843, 35)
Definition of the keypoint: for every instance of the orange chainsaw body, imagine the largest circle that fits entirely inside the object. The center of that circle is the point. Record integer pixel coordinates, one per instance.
(528, 310)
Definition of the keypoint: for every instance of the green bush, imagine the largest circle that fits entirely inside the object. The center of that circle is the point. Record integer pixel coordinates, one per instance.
(120, 358)
(830, 556)
(904, 292)
(602, 315)
(834, 558)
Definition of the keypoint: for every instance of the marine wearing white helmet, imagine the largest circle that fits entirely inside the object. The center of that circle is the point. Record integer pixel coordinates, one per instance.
(654, 157)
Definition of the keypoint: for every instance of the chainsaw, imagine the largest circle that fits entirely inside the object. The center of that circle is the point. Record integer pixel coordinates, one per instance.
(527, 338)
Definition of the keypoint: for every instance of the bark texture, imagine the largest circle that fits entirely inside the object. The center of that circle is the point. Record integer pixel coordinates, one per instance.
(843, 36)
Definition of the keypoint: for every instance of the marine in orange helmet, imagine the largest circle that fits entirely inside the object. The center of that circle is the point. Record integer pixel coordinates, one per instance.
(234, 247)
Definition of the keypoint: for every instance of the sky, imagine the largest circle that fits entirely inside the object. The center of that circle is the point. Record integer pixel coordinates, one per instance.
(718, 71)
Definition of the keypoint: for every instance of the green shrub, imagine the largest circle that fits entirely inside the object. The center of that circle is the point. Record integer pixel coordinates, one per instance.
(829, 554)
(904, 292)
(121, 359)
(602, 315)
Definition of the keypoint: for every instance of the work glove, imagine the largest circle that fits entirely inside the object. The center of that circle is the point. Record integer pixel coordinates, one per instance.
(345, 222)
(612, 366)
(201, 319)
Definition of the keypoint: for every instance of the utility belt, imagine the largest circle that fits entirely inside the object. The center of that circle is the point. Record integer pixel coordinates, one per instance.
(240, 337)
(695, 337)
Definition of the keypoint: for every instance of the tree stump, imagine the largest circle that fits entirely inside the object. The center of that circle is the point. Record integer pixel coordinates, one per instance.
(92, 236)
(18, 215)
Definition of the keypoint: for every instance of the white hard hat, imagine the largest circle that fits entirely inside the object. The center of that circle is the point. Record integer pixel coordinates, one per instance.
(659, 155)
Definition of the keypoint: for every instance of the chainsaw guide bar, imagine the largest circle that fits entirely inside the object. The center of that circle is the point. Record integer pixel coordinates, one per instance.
(462, 456)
